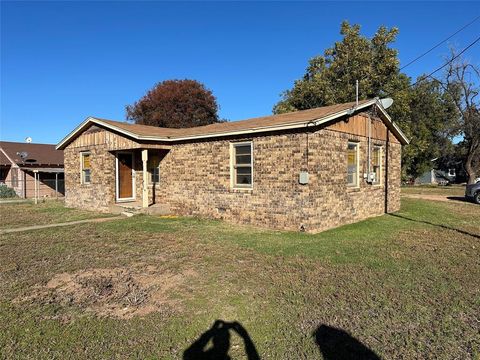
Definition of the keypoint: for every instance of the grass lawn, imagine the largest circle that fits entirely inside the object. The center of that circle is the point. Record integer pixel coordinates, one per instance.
(405, 285)
(451, 190)
(27, 213)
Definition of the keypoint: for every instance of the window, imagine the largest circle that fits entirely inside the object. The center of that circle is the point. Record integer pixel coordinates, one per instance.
(153, 166)
(352, 164)
(377, 164)
(86, 169)
(242, 165)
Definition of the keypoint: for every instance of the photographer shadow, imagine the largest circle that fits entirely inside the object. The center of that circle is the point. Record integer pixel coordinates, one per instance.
(337, 344)
(219, 336)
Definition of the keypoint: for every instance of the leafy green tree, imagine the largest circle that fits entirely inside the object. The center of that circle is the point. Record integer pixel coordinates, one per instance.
(330, 78)
(431, 117)
(422, 111)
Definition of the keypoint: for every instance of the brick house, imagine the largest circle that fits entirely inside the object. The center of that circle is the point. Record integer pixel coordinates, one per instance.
(309, 170)
(32, 170)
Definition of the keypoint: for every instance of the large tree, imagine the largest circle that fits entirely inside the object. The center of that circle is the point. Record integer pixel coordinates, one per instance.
(431, 116)
(461, 82)
(175, 104)
(330, 78)
(422, 111)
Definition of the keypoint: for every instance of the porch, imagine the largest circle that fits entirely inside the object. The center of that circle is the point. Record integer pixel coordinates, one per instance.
(137, 180)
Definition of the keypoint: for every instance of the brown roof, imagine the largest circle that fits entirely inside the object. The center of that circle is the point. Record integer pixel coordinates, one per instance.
(286, 121)
(37, 154)
(255, 123)
(4, 160)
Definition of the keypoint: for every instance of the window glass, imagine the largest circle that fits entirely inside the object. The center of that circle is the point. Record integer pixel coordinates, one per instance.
(242, 165)
(153, 166)
(377, 163)
(86, 168)
(352, 164)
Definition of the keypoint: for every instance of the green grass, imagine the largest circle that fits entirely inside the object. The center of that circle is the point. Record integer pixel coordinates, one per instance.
(404, 285)
(27, 214)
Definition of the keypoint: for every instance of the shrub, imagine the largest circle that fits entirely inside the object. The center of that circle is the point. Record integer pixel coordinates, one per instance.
(6, 192)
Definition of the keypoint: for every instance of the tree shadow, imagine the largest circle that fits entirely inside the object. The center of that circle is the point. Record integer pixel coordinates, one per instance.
(438, 225)
(337, 344)
(219, 337)
(459, 198)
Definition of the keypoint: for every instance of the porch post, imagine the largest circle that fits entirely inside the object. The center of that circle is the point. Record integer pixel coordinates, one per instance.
(56, 186)
(145, 178)
(35, 175)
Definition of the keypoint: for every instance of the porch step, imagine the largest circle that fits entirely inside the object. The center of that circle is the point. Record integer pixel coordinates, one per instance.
(133, 208)
(127, 214)
(130, 208)
(157, 209)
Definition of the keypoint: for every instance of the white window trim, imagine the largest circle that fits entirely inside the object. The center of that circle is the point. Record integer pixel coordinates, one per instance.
(380, 155)
(233, 184)
(357, 147)
(82, 181)
(134, 177)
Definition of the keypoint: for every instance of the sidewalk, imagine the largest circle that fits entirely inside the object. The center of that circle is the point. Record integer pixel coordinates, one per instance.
(37, 227)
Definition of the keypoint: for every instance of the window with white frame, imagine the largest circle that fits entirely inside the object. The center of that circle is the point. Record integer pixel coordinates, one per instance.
(377, 164)
(352, 164)
(85, 158)
(242, 169)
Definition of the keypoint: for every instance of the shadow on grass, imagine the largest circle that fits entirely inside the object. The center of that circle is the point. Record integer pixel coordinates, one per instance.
(337, 344)
(459, 198)
(438, 225)
(219, 335)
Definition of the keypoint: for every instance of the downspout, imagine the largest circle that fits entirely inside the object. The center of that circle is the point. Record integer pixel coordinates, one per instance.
(369, 155)
(387, 153)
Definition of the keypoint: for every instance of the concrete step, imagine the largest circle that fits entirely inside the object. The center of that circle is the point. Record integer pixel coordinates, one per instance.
(157, 209)
(130, 209)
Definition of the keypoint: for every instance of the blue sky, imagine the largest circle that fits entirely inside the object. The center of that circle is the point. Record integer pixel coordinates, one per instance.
(64, 61)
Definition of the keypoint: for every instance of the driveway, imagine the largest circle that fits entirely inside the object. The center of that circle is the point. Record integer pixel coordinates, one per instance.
(435, 197)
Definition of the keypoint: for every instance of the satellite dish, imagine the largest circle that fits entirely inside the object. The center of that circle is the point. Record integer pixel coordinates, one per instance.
(28, 140)
(386, 103)
(23, 154)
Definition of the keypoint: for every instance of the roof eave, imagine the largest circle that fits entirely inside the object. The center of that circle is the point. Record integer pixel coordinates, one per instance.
(396, 129)
(61, 145)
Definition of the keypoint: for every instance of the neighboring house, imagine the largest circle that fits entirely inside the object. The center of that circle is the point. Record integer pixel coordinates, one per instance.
(436, 176)
(32, 169)
(305, 170)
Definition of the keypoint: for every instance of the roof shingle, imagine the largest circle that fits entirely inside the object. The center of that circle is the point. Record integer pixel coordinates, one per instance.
(38, 154)
(254, 123)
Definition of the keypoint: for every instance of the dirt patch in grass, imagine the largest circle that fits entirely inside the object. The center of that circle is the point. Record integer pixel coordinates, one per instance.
(115, 292)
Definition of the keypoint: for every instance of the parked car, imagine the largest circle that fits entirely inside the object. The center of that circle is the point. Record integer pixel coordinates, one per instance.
(472, 192)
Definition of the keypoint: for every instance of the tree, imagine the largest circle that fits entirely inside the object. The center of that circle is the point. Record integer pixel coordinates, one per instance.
(461, 83)
(330, 78)
(431, 116)
(422, 111)
(175, 104)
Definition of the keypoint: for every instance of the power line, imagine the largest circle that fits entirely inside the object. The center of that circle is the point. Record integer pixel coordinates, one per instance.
(440, 43)
(448, 62)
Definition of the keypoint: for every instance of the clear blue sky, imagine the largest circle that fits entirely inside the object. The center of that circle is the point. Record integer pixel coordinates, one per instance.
(64, 61)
